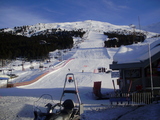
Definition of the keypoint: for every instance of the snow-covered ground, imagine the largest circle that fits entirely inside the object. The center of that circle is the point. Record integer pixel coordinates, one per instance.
(17, 103)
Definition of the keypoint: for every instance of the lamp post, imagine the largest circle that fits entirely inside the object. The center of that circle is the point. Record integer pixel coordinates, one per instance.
(150, 61)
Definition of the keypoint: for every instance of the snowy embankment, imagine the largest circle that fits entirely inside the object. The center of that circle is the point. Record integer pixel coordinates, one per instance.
(17, 103)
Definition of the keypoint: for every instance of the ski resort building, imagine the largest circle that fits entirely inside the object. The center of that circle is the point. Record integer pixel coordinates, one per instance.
(139, 74)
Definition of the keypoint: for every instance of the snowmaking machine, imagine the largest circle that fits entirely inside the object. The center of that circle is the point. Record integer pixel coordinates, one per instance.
(66, 109)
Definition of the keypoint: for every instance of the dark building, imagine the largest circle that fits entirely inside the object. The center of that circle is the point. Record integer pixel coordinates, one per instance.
(136, 76)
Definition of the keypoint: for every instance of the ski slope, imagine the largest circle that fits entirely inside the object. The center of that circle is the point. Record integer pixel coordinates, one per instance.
(90, 55)
(16, 103)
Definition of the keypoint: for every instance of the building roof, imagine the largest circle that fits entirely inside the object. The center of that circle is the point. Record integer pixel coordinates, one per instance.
(136, 56)
(137, 52)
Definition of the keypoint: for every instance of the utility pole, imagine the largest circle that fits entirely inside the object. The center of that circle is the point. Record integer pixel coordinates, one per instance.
(150, 61)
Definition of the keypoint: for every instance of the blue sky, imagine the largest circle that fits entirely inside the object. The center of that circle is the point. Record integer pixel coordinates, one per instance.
(118, 12)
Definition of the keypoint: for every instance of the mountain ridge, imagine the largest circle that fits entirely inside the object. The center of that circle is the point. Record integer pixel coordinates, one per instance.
(86, 25)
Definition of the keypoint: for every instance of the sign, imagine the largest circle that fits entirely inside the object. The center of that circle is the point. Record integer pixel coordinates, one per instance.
(115, 74)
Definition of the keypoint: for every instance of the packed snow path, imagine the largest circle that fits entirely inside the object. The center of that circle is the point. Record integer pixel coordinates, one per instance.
(92, 48)
(89, 56)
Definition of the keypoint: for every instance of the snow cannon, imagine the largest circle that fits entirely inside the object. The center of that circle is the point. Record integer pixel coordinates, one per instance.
(66, 109)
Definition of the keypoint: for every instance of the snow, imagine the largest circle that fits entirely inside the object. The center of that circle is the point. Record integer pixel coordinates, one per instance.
(137, 52)
(17, 103)
(85, 25)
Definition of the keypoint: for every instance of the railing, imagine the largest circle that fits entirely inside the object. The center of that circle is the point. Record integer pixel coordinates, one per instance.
(131, 99)
(141, 98)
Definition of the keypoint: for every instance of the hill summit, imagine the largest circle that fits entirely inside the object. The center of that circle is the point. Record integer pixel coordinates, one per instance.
(40, 28)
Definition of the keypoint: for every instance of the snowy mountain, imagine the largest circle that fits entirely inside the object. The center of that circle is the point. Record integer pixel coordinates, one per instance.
(41, 28)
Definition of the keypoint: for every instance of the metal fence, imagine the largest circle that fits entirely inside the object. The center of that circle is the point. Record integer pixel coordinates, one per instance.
(131, 99)
(141, 98)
